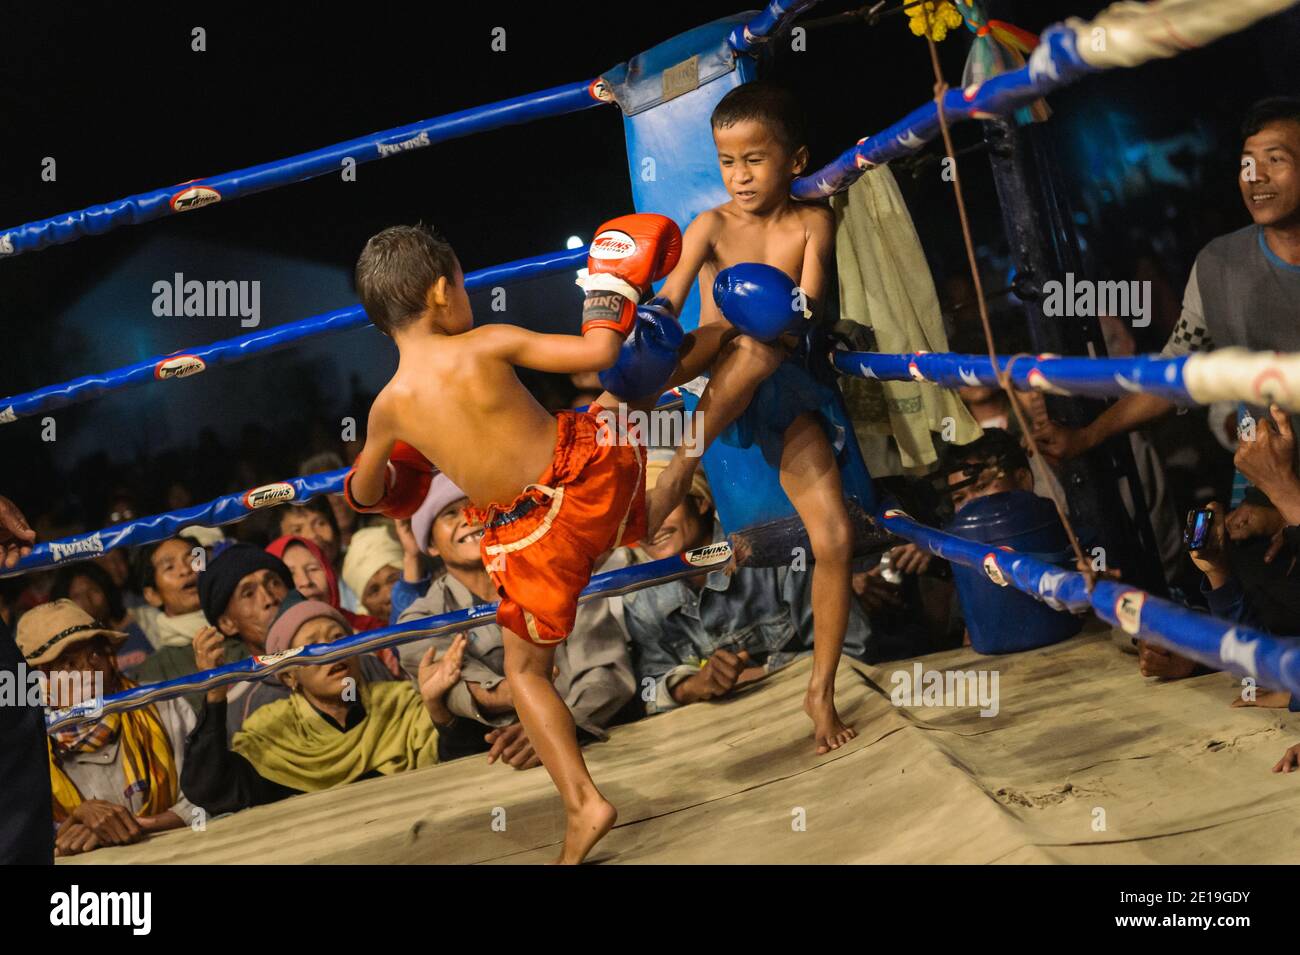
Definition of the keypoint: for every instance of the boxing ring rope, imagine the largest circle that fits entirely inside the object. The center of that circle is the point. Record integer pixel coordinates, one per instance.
(1272, 661)
(226, 187)
(611, 584)
(159, 527)
(773, 19)
(185, 363)
(1130, 34)
(1133, 34)
(1201, 378)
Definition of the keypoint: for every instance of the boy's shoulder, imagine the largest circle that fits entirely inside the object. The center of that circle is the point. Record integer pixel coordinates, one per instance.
(710, 220)
(815, 214)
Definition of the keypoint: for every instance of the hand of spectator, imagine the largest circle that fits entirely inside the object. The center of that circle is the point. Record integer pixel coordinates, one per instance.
(74, 838)
(412, 568)
(874, 592)
(1253, 520)
(1278, 545)
(720, 674)
(209, 648)
(497, 700)
(1266, 699)
(113, 825)
(16, 537)
(1157, 661)
(437, 676)
(1267, 459)
(1290, 760)
(209, 653)
(406, 537)
(910, 559)
(511, 745)
(1211, 558)
(1058, 443)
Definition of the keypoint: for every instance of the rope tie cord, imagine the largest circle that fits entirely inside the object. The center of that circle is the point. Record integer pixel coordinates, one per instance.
(1004, 374)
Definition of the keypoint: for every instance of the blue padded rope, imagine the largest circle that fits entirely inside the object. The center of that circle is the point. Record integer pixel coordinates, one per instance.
(226, 187)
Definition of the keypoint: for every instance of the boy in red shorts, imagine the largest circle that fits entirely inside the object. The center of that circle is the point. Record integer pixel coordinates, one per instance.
(554, 493)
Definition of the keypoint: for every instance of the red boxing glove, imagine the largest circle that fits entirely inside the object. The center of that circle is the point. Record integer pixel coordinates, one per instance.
(406, 484)
(627, 256)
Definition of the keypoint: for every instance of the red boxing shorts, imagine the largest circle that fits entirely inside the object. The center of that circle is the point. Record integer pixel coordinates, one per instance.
(540, 549)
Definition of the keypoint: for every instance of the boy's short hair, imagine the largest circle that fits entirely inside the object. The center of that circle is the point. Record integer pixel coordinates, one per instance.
(1269, 110)
(395, 271)
(996, 447)
(774, 106)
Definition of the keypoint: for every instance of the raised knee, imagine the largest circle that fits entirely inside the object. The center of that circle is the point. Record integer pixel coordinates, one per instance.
(752, 352)
(834, 542)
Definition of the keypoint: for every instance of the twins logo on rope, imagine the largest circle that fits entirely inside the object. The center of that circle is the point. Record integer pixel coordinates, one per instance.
(415, 142)
(1128, 611)
(710, 555)
(195, 197)
(93, 544)
(992, 570)
(269, 495)
(270, 659)
(1271, 386)
(179, 366)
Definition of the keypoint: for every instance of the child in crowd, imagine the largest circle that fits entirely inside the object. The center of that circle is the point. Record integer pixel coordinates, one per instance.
(372, 565)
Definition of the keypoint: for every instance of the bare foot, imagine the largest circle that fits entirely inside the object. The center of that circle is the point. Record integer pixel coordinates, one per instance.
(585, 828)
(669, 491)
(829, 731)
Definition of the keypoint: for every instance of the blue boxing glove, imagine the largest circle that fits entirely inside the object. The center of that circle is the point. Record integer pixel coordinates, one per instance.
(761, 301)
(648, 356)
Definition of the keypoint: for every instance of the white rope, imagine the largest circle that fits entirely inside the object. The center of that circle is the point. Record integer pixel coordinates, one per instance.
(1130, 33)
(1235, 374)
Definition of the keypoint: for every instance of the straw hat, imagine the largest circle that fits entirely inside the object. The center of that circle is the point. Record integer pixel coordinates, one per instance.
(45, 631)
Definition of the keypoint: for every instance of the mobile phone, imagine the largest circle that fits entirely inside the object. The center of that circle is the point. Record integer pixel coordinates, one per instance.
(1197, 528)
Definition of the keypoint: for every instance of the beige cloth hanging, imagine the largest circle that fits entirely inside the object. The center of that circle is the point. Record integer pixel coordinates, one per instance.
(885, 283)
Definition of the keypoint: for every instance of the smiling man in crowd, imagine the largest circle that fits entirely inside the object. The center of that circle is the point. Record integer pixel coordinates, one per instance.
(1244, 289)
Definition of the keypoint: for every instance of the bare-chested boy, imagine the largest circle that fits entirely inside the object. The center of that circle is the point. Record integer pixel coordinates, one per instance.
(770, 257)
(552, 492)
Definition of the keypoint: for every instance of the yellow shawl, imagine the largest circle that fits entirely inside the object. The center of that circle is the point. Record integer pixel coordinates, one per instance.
(148, 764)
(290, 743)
